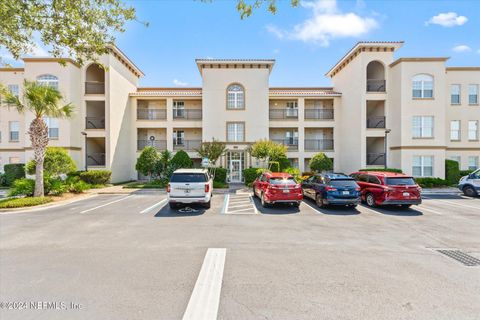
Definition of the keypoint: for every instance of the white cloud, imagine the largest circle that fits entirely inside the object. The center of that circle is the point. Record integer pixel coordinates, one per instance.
(462, 48)
(179, 83)
(478, 51)
(276, 51)
(327, 23)
(448, 19)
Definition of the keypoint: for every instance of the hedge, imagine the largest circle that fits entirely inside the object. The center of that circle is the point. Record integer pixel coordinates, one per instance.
(96, 176)
(220, 175)
(22, 187)
(251, 174)
(465, 172)
(431, 182)
(13, 171)
(383, 170)
(452, 172)
(24, 202)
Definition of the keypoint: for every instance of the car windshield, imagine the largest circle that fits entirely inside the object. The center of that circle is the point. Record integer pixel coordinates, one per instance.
(280, 180)
(188, 177)
(343, 183)
(403, 181)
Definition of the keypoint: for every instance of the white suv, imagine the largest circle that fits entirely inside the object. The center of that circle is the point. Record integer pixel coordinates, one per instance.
(189, 186)
(470, 185)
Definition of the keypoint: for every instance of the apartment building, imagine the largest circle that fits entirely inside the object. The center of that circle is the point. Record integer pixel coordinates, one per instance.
(431, 113)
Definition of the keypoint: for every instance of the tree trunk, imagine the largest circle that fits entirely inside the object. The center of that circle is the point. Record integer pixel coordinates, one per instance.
(39, 137)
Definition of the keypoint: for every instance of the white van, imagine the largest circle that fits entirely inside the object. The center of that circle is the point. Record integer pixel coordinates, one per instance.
(470, 185)
(189, 186)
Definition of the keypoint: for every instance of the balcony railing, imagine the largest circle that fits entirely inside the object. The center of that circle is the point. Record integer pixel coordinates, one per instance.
(279, 114)
(189, 145)
(187, 114)
(96, 159)
(318, 114)
(151, 114)
(318, 144)
(157, 144)
(94, 123)
(375, 159)
(291, 143)
(374, 85)
(376, 122)
(94, 87)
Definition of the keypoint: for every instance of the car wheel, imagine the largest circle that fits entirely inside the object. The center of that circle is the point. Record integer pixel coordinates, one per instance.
(172, 206)
(469, 191)
(208, 204)
(264, 203)
(319, 201)
(406, 206)
(370, 199)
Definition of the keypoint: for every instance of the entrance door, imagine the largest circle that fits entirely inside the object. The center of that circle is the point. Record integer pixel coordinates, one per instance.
(235, 170)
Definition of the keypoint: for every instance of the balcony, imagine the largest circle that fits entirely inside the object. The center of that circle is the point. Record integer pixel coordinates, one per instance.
(94, 87)
(375, 122)
(282, 114)
(375, 85)
(290, 143)
(375, 159)
(94, 123)
(157, 144)
(151, 114)
(318, 114)
(96, 159)
(187, 114)
(187, 145)
(318, 144)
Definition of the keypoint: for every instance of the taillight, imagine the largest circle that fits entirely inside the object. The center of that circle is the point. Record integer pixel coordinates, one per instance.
(168, 188)
(330, 189)
(207, 188)
(358, 189)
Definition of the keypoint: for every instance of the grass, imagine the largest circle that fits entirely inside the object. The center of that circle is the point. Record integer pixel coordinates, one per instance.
(155, 184)
(24, 202)
(220, 185)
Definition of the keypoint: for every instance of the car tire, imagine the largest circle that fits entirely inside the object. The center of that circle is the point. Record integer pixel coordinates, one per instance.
(208, 204)
(254, 194)
(406, 206)
(370, 200)
(469, 191)
(264, 203)
(296, 204)
(319, 201)
(173, 205)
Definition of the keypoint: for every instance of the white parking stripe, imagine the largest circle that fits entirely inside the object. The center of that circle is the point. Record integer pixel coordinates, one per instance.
(225, 203)
(422, 207)
(253, 204)
(106, 204)
(203, 304)
(160, 203)
(371, 210)
(312, 207)
(454, 203)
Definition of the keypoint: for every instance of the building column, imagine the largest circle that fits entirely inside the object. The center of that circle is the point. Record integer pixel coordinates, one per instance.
(301, 126)
(169, 127)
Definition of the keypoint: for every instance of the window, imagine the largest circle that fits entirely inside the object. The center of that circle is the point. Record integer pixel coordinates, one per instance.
(422, 166)
(14, 131)
(291, 138)
(52, 124)
(178, 137)
(455, 94)
(422, 127)
(422, 86)
(473, 94)
(374, 180)
(455, 130)
(292, 109)
(178, 109)
(472, 163)
(235, 97)
(456, 158)
(13, 160)
(14, 90)
(235, 131)
(473, 130)
(48, 80)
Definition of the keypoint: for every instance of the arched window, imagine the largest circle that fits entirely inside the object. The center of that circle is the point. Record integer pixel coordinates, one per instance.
(48, 80)
(235, 97)
(422, 86)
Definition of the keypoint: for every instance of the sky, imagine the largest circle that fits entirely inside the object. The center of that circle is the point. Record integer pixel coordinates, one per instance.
(306, 41)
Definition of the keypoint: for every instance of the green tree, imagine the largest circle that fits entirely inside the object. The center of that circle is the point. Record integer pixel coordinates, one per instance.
(162, 165)
(83, 29)
(57, 161)
(320, 162)
(181, 159)
(269, 151)
(42, 101)
(146, 161)
(212, 150)
(246, 7)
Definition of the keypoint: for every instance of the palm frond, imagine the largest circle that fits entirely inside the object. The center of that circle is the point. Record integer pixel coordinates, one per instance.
(10, 100)
(44, 100)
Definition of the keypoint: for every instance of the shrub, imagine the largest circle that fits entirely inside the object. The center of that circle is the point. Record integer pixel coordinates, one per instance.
(147, 161)
(320, 162)
(452, 172)
(431, 182)
(294, 172)
(383, 170)
(154, 184)
(13, 172)
(56, 187)
(96, 176)
(23, 202)
(220, 185)
(251, 174)
(79, 187)
(57, 161)
(2, 179)
(181, 159)
(465, 172)
(22, 187)
(220, 175)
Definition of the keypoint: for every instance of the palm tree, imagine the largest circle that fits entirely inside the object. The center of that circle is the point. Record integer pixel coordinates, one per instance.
(42, 101)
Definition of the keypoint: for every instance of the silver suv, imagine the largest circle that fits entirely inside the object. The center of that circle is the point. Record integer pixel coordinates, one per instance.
(189, 186)
(470, 185)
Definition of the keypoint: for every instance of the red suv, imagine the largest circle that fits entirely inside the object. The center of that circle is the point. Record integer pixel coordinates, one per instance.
(387, 188)
(277, 187)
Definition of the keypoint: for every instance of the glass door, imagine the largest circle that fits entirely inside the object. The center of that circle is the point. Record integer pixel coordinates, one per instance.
(235, 170)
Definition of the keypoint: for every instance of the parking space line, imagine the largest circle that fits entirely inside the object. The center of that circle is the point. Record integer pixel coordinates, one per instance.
(422, 207)
(318, 211)
(106, 204)
(453, 203)
(225, 203)
(253, 204)
(205, 298)
(370, 210)
(160, 203)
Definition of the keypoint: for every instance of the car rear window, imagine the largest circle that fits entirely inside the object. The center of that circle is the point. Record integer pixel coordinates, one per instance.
(188, 177)
(407, 181)
(279, 180)
(343, 183)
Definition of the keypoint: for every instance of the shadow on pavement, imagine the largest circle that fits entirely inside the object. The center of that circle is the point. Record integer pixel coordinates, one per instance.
(277, 209)
(333, 210)
(398, 211)
(167, 212)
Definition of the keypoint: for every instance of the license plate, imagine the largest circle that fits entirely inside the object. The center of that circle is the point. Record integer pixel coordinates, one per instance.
(286, 191)
(406, 194)
(187, 190)
(345, 192)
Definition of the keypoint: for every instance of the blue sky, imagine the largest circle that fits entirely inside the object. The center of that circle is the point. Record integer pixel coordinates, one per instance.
(305, 41)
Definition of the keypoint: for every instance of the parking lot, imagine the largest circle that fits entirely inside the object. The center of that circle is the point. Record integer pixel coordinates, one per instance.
(132, 257)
